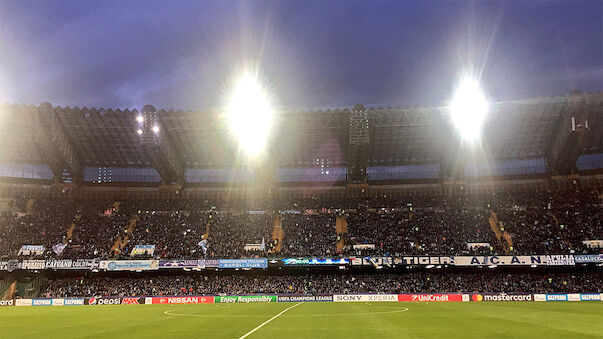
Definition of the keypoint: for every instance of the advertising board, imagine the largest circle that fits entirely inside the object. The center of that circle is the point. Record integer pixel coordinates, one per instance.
(304, 298)
(129, 265)
(73, 302)
(243, 263)
(192, 263)
(10, 302)
(556, 297)
(314, 262)
(247, 299)
(69, 264)
(183, 300)
(502, 260)
(430, 297)
(23, 302)
(364, 297)
(102, 301)
(501, 297)
(41, 302)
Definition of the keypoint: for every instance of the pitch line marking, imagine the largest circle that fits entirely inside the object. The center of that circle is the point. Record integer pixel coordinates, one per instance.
(269, 320)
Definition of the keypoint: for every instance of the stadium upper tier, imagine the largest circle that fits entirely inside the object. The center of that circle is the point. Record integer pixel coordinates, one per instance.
(542, 135)
(539, 222)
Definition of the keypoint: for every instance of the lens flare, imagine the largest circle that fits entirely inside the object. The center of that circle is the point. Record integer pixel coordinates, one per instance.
(468, 109)
(249, 114)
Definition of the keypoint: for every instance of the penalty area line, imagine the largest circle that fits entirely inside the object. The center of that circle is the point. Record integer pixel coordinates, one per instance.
(269, 320)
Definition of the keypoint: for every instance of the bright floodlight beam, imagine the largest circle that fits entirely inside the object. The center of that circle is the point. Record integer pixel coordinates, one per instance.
(249, 114)
(468, 109)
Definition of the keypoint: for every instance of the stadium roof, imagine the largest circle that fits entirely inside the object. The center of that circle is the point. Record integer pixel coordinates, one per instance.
(98, 137)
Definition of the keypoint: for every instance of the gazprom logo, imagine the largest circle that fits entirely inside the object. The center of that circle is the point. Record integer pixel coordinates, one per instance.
(556, 297)
(590, 297)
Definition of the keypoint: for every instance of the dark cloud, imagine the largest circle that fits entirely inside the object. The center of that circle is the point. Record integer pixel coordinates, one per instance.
(311, 54)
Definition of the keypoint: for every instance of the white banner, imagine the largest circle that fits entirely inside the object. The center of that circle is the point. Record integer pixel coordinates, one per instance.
(504, 260)
(143, 250)
(363, 246)
(32, 250)
(593, 243)
(472, 245)
(33, 264)
(253, 247)
(23, 302)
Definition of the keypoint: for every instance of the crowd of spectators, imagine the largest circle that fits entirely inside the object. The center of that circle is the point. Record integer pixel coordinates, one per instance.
(47, 225)
(309, 235)
(539, 222)
(550, 223)
(416, 282)
(422, 231)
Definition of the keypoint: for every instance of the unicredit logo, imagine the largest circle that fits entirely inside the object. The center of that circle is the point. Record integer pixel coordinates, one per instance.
(429, 297)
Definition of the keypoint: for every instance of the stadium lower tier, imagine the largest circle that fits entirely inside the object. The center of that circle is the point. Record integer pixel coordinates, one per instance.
(562, 222)
(305, 282)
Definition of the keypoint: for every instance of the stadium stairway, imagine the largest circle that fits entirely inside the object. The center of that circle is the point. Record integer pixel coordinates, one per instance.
(72, 228)
(207, 227)
(278, 234)
(562, 235)
(30, 206)
(504, 240)
(121, 241)
(8, 288)
(341, 226)
(30, 288)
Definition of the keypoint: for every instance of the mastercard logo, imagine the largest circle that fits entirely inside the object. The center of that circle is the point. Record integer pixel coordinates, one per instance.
(477, 297)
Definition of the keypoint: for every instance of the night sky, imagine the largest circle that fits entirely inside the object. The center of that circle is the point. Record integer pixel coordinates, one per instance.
(309, 54)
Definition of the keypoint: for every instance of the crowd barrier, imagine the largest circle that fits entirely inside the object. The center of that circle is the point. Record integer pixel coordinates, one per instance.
(417, 297)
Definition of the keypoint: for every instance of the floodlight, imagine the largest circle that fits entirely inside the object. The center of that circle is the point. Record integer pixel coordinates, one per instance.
(156, 129)
(139, 131)
(140, 118)
(468, 109)
(249, 114)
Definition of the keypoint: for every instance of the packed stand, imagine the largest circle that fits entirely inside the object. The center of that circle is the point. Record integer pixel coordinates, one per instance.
(47, 225)
(419, 282)
(309, 235)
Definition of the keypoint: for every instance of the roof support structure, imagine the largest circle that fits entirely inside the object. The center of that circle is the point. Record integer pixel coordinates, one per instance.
(160, 149)
(359, 143)
(55, 147)
(571, 133)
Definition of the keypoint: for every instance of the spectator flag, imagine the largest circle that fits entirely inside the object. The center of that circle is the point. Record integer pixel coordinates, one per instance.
(263, 246)
(203, 244)
(58, 248)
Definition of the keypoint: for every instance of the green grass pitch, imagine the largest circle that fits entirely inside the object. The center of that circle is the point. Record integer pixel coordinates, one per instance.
(309, 320)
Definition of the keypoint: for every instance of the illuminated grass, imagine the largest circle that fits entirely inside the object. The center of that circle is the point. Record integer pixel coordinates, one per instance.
(309, 320)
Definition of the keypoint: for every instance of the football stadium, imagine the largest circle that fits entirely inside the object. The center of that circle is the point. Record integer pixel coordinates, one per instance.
(478, 214)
